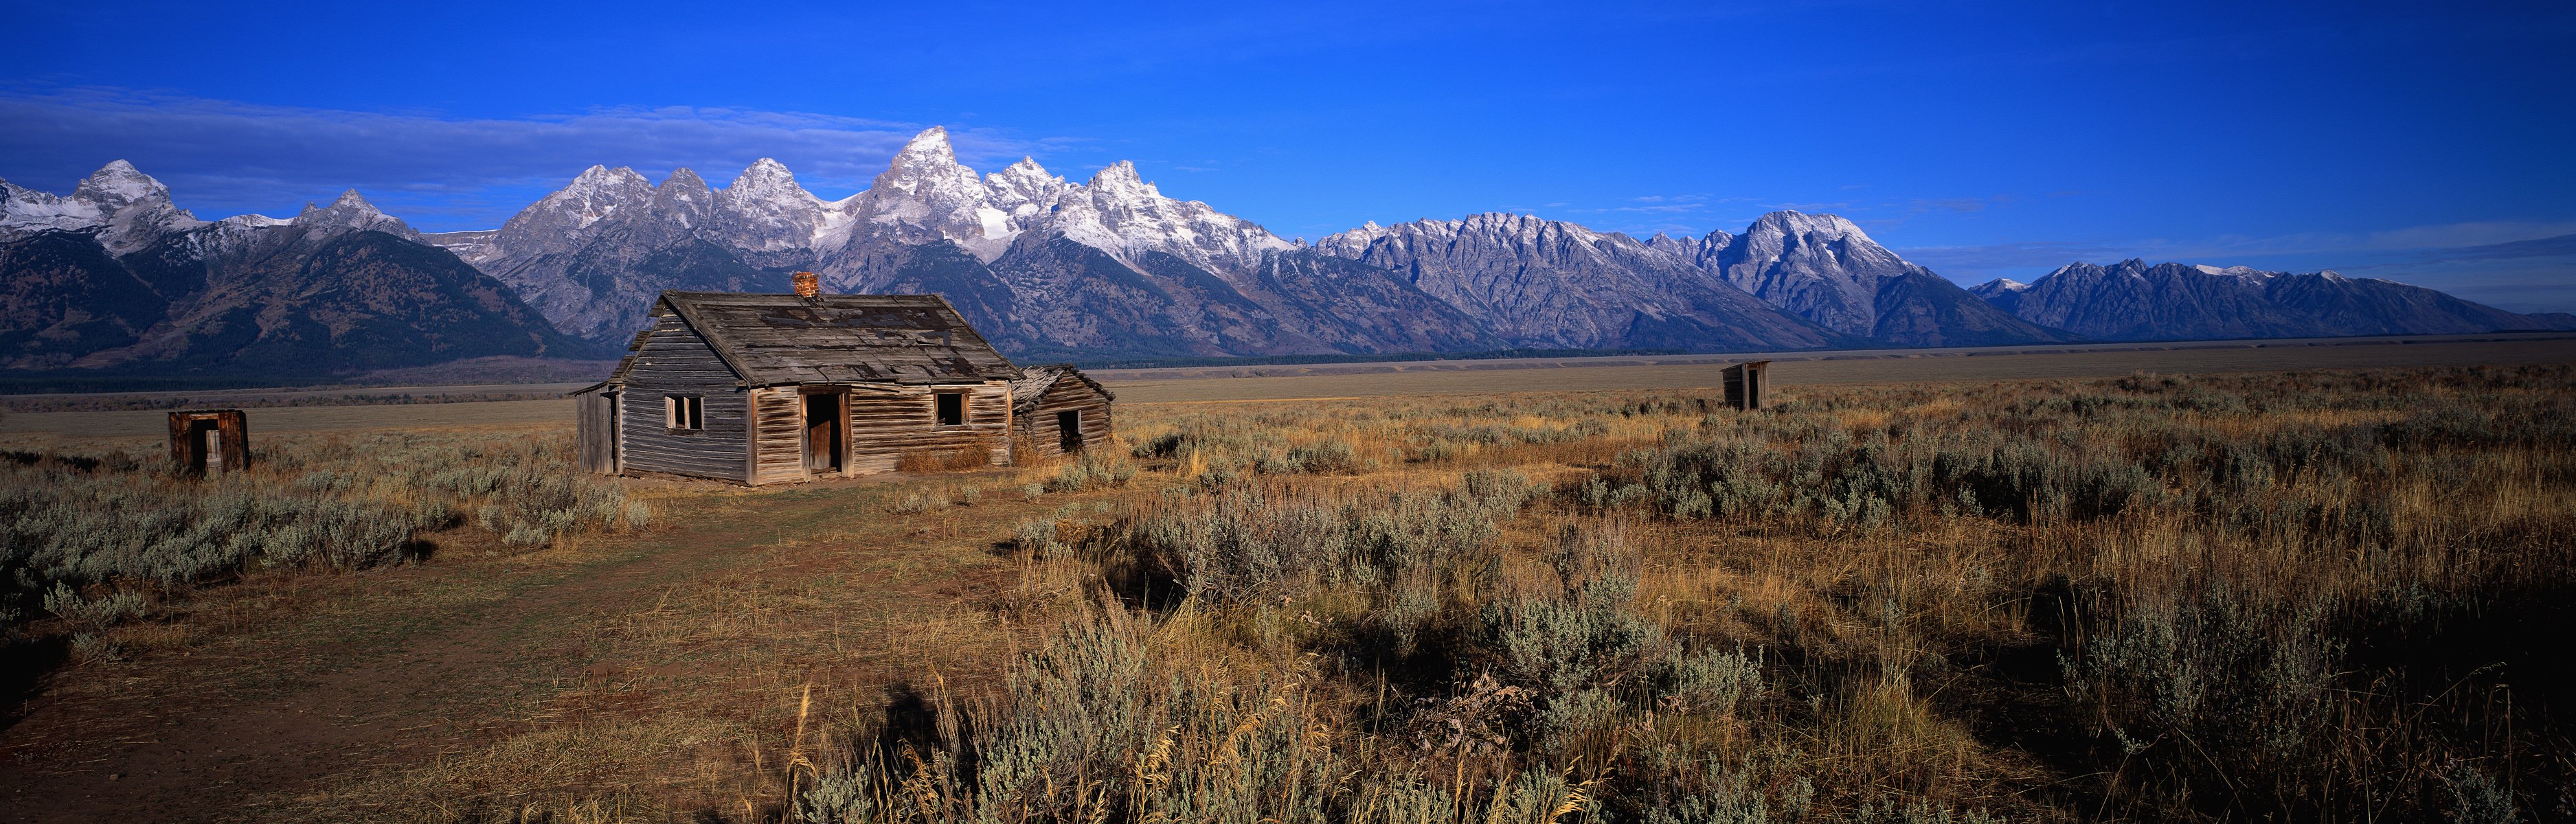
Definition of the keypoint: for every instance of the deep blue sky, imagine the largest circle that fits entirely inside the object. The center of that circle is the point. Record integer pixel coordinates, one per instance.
(2399, 141)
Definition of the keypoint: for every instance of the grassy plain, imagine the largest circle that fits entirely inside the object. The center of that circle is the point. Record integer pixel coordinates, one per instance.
(2321, 596)
(1396, 380)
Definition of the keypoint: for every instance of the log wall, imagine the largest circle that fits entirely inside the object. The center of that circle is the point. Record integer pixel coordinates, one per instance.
(675, 361)
(1038, 423)
(595, 416)
(778, 439)
(887, 424)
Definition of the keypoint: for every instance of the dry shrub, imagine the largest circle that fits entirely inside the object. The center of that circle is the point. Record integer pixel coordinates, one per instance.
(943, 460)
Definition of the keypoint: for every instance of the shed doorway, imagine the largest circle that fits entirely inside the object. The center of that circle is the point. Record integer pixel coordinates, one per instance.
(823, 430)
(1068, 430)
(205, 446)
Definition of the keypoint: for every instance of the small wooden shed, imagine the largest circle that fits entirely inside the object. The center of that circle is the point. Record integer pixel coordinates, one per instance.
(209, 441)
(1058, 410)
(1748, 384)
(760, 389)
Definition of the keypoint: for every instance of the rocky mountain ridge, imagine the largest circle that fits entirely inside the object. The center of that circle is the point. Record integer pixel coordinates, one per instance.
(113, 277)
(2133, 300)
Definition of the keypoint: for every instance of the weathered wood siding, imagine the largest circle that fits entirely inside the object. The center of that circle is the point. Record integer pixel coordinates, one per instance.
(887, 423)
(676, 361)
(594, 420)
(778, 441)
(1038, 424)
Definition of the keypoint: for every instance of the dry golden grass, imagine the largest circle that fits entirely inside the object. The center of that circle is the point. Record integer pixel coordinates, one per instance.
(2412, 521)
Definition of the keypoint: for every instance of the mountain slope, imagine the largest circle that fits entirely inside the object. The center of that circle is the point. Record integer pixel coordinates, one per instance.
(114, 279)
(1043, 266)
(2132, 300)
(1551, 284)
(1171, 276)
(1825, 269)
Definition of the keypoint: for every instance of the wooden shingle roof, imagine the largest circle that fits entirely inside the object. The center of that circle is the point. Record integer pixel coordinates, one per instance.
(771, 340)
(1036, 380)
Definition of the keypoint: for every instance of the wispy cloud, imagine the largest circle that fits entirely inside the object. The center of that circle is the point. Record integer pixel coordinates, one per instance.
(224, 157)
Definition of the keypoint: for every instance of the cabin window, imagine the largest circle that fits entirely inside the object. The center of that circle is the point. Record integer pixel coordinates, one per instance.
(952, 408)
(683, 412)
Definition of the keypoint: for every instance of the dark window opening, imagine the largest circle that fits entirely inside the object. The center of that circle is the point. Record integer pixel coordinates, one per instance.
(1068, 430)
(952, 408)
(683, 413)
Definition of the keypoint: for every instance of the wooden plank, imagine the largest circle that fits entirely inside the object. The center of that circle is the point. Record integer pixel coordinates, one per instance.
(884, 427)
(714, 451)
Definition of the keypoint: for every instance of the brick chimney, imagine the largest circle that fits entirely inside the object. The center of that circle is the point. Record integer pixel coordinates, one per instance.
(807, 286)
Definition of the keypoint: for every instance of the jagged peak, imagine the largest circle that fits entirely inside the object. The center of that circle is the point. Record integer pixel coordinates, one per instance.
(765, 175)
(349, 204)
(926, 166)
(685, 177)
(1026, 166)
(1792, 221)
(1118, 176)
(14, 193)
(119, 181)
(930, 144)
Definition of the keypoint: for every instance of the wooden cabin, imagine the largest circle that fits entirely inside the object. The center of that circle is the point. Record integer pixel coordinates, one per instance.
(1058, 410)
(763, 389)
(1748, 384)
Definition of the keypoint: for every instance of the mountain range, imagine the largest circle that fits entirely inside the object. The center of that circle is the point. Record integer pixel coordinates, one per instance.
(114, 278)
(2133, 301)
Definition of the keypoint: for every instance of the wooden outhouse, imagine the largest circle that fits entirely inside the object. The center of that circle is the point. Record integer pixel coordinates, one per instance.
(761, 389)
(1748, 384)
(209, 441)
(1059, 410)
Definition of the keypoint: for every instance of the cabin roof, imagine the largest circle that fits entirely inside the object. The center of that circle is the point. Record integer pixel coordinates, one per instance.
(771, 340)
(1036, 380)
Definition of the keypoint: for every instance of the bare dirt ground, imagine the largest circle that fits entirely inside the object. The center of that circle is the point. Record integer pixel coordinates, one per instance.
(473, 676)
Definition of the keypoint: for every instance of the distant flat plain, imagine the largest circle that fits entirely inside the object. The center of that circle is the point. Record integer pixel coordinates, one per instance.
(1218, 384)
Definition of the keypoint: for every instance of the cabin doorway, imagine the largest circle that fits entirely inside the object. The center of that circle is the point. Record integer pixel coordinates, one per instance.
(1068, 430)
(823, 433)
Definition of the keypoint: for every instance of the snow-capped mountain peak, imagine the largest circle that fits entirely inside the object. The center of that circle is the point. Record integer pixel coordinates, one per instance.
(1026, 191)
(1122, 214)
(766, 178)
(924, 192)
(130, 209)
(1120, 179)
(766, 211)
(1792, 222)
(118, 184)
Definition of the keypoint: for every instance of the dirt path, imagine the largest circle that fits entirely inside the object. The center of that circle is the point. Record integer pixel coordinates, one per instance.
(375, 672)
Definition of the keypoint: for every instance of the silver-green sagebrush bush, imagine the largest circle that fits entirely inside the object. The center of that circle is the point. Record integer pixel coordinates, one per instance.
(110, 524)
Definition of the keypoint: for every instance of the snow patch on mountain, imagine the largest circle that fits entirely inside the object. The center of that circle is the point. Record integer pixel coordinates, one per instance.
(128, 209)
(1120, 213)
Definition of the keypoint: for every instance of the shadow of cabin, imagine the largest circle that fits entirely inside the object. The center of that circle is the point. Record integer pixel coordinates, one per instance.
(761, 389)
